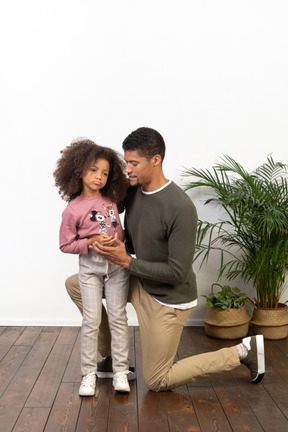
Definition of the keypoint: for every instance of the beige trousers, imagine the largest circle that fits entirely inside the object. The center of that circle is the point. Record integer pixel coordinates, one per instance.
(160, 330)
(97, 276)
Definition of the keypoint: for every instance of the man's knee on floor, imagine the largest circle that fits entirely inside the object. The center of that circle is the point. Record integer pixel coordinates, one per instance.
(155, 383)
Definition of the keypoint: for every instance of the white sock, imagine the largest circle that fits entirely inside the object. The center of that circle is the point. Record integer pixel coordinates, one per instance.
(242, 351)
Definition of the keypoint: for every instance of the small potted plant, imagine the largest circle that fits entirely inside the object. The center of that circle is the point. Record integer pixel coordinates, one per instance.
(226, 316)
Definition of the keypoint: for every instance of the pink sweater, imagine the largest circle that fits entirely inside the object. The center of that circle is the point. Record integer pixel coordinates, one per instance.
(86, 217)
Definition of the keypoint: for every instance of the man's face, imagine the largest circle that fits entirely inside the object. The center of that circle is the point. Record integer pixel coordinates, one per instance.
(139, 169)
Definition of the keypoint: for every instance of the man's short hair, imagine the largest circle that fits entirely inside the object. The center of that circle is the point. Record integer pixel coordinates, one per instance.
(148, 142)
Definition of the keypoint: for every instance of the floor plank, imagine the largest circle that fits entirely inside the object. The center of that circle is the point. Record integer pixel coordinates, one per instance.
(29, 336)
(40, 377)
(151, 406)
(45, 389)
(32, 419)
(180, 411)
(64, 415)
(8, 338)
(210, 413)
(10, 365)
(14, 398)
(95, 412)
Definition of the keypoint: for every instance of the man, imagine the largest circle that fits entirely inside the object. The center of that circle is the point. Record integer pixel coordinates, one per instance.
(160, 224)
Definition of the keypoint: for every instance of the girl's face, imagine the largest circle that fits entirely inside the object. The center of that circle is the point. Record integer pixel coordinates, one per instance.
(95, 178)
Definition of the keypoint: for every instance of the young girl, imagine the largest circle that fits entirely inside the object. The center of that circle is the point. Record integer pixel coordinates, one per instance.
(91, 178)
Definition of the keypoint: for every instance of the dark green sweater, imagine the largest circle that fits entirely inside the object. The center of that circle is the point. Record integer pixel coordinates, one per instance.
(161, 231)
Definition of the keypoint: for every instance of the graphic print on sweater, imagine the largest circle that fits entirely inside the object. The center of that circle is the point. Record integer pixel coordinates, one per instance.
(108, 219)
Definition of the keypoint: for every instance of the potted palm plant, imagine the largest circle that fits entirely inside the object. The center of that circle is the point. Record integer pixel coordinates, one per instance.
(252, 237)
(226, 316)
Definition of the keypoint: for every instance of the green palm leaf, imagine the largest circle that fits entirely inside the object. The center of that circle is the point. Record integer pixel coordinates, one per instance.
(253, 237)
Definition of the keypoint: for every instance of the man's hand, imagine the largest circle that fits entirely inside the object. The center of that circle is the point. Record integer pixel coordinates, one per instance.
(116, 254)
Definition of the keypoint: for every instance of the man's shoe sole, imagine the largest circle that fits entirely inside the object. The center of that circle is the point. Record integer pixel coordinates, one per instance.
(258, 378)
(260, 355)
(260, 359)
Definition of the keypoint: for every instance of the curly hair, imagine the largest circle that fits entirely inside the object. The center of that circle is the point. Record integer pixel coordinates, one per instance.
(148, 142)
(76, 158)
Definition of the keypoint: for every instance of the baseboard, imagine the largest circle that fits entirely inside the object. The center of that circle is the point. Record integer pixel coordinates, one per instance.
(192, 322)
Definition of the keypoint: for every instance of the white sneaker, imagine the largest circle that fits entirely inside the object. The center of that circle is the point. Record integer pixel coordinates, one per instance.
(88, 384)
(255, 360)
(120, 382)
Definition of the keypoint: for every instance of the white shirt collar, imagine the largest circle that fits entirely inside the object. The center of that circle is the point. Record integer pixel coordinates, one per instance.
(157, 190)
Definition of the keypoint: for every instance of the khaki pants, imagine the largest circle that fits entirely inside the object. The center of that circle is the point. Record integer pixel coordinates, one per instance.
(160, 329)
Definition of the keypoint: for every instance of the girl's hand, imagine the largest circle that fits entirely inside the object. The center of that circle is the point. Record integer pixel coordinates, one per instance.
(102, 239)
(105, 240)
(116, 254)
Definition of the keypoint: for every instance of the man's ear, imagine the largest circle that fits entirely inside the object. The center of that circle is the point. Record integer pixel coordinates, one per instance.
(157, 160)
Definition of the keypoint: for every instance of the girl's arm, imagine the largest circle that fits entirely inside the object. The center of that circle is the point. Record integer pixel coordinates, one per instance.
(68, 237)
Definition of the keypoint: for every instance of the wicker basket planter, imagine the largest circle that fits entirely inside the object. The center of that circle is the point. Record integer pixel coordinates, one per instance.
(226, 324)
(272, 323)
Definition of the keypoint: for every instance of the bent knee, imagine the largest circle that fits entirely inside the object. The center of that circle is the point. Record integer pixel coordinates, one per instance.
(71, 282)
(156, 383)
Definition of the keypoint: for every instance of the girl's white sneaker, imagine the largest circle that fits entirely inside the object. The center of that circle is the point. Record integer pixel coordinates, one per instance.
(120, 382)
(88, 384)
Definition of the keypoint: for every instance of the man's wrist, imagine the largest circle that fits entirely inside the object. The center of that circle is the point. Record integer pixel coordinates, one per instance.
(126, 263)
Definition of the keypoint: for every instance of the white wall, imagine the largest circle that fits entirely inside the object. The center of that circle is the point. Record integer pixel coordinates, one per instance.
(210, 75)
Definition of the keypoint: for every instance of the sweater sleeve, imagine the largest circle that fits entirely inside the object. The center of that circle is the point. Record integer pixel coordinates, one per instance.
(69, 242)
(181, 248)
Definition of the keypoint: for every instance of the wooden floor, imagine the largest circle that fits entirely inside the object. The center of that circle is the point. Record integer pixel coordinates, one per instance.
(40, 375)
